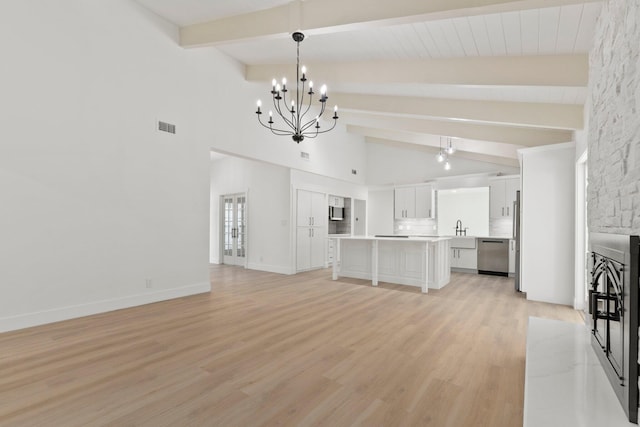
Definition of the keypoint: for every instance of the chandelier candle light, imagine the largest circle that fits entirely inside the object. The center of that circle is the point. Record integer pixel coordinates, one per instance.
(294, 117)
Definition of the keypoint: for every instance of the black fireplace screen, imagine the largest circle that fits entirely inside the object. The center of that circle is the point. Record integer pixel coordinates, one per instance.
(613, 297)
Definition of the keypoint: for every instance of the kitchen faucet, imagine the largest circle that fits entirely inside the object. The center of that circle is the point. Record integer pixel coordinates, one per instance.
(459, 230)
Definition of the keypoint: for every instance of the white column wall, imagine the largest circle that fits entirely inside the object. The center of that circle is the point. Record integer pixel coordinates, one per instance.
(548, 227)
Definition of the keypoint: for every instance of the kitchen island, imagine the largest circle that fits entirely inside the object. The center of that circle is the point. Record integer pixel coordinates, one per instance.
(412, 261)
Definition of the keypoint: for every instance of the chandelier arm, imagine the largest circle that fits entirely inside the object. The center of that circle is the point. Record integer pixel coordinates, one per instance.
(274, 130)
(310, 101)
(284, 100)
(278, 109)
(295, 120)
(281, 132)
(324, 105)
(309, 124)
(335, 122)
(311, 135)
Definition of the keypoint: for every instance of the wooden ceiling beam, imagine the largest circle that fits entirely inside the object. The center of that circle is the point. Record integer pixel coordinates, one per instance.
(323, 16)
(539, 70)
(471, 146)
(550, 116)
(518, 136)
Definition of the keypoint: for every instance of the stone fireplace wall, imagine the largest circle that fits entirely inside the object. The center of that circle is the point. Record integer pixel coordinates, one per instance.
(613, 199)
(613, 204)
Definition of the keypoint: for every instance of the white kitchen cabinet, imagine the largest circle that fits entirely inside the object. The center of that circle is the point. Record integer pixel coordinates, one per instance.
(424, 202)
(502, 194)
(466, 259)
(311, 209)
(414, 202)
(405, 202)
(464, 253)
(512, 256)
(336, 201)
(311, 230)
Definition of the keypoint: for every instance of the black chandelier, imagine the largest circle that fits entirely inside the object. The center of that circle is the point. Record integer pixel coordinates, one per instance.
(294, 118)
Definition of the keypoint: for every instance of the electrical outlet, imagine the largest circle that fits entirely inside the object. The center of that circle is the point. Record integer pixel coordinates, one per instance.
(149, 283)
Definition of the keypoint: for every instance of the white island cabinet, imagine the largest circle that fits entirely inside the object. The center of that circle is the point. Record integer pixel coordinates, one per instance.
(422, 262)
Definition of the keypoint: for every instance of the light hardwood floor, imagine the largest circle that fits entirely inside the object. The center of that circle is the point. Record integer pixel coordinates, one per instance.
(265, 349)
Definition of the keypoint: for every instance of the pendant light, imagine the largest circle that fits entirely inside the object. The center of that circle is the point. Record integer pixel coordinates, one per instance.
(440, 156)
(450, 150)
(443, 155)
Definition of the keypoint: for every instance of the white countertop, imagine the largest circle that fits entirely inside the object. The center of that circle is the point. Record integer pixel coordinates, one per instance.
(481, 237)
(565, 385)
(398, 239)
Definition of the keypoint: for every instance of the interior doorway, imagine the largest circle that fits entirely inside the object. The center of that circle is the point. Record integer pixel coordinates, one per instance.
(359, 217)
(234, 229)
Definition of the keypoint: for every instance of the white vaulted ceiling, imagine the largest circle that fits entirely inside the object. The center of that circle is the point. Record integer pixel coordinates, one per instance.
(496, 74)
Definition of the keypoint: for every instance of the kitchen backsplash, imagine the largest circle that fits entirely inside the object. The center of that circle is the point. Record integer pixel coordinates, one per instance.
(344, 226)
(501, 227)
(416, 226)
(429, 227)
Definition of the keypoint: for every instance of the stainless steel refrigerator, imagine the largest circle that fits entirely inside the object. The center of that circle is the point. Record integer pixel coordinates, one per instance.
(517, 237)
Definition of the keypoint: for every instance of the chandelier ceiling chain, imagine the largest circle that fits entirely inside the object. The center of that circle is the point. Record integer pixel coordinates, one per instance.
(299, 127)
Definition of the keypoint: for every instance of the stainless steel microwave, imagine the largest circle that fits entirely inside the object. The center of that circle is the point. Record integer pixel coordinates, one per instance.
(336, 214)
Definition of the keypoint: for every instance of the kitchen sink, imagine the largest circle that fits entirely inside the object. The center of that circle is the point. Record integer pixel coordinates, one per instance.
(463, 242)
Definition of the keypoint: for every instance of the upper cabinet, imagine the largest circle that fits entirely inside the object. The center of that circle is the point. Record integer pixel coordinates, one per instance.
(336, 201)
(414, 202)
(502, 194)
(405, 202)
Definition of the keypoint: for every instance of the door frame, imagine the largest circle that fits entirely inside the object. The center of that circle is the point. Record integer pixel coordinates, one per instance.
(581, 238)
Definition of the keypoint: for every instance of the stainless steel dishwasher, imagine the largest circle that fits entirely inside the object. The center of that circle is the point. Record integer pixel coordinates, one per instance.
(493, 256)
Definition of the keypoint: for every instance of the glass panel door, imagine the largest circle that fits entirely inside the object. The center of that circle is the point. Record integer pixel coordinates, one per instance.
(234, 229)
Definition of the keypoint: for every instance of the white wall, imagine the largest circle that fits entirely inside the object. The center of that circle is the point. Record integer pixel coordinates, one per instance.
(389, 165)
(380, 218)
(325, 184)
(469, 205)
(268, 210)
(547, 205)
(95, 200)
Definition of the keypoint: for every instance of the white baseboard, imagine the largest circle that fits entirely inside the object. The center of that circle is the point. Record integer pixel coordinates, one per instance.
(270, 268)
(28, 320)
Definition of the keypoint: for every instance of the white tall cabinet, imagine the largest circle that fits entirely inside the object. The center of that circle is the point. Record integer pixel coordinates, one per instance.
(502, 194)
(311, 230)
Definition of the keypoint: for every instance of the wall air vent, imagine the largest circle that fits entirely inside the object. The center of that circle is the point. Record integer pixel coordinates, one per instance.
(304, 155)
(166, 127)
